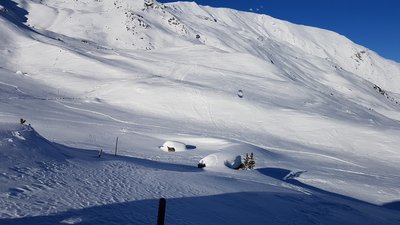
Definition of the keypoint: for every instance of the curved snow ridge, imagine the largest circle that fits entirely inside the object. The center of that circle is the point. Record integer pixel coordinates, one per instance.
(233, 155)
(22, 144)
(15, 131)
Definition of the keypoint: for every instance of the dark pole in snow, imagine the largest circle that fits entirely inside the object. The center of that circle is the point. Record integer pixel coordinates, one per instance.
(116, 147)
(161, 211)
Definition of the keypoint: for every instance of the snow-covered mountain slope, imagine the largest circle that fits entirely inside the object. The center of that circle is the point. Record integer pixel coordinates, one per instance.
(150, 25)
(316, 108)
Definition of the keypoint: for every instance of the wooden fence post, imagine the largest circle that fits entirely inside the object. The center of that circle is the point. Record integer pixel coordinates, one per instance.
(161, 211)
(116, 147)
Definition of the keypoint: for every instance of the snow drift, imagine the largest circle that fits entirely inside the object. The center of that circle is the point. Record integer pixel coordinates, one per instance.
(173, 146)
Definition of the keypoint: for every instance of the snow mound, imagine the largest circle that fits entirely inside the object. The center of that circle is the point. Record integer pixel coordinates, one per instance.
(174, 146)
(22, 144)
(221, 160)
(231, 156)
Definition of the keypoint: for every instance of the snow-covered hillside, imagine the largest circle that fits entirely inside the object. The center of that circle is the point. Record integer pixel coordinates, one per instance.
(320, 113)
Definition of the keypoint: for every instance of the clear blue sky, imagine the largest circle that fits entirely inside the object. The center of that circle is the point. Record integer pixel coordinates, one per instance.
(374, 24)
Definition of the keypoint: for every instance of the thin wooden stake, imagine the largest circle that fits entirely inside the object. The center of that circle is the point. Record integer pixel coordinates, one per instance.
(116, 147)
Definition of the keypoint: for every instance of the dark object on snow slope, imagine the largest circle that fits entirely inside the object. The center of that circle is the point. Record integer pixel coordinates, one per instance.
(240, 94)
(249, 162)
(22, 121)
(161, 211)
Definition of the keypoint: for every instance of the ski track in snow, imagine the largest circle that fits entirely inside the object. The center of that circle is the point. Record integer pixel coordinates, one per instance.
(105, 115)
(321, 155)
(13, 86)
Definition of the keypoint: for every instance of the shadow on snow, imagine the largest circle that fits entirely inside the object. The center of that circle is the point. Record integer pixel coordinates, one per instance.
(392, 205)
(287, 177)
(255, 208)
(13, 12)
(92, 156)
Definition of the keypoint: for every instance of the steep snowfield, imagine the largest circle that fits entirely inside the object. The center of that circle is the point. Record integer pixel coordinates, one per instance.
(320, 113)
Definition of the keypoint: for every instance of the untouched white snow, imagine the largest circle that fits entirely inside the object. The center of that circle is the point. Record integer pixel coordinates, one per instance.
(320, 114)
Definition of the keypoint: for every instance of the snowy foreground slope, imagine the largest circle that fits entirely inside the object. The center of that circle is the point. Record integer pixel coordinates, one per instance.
(320, 113)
